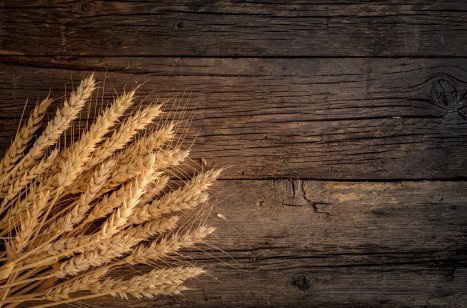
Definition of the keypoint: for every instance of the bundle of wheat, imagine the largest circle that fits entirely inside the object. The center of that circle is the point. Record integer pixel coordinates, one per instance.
(72, 214)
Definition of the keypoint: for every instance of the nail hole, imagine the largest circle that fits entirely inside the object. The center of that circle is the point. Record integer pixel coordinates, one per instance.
(116, 43)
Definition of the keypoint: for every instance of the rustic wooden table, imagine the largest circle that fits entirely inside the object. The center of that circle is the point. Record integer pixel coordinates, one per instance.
(344, 125)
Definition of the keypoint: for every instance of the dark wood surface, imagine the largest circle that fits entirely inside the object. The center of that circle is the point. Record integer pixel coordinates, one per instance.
(344, 126)
(234, 28)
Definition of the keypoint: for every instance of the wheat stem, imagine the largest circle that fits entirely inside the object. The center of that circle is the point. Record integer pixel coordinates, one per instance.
(24, 281)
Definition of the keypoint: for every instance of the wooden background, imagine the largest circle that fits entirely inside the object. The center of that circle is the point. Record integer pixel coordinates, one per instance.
(344, 125)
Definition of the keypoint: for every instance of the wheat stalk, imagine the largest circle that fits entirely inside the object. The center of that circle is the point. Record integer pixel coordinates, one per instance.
(73, 214)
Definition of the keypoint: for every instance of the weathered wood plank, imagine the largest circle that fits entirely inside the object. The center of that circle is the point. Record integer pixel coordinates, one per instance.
(312, 243)
(226, 28)
(280, 118)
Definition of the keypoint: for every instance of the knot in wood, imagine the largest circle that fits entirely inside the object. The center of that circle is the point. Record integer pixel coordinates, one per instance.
(445, 95)
(302, 282)
(86, 7)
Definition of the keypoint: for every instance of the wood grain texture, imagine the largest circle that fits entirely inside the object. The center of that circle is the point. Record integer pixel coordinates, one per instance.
(286, 91)
(280, 118)
(313, 243)
(229, 28)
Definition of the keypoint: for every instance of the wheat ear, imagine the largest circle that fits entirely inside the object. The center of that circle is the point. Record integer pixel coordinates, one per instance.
(157, 282)
(117, 245)
(76, 284)
(77, 213)
(104, 254)
(151, 228)
(50, 135)
(113, 223)
(164, 159)
(30, 222)
(130, 159)
(80, 152)
(16, 209)
(110, 202)
(157, 250)
(120, 216)
(53, 130)
(111, 226)
(147, 285)
(183, 198)
(147, 144)
(143, 232)
(154, 188)
(134, 234)
(149, 291)
(23, 137)
(56, 126)
(14, 188)
(125, 133)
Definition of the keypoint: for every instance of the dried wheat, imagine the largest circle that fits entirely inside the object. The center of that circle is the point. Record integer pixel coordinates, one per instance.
(88, 207)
